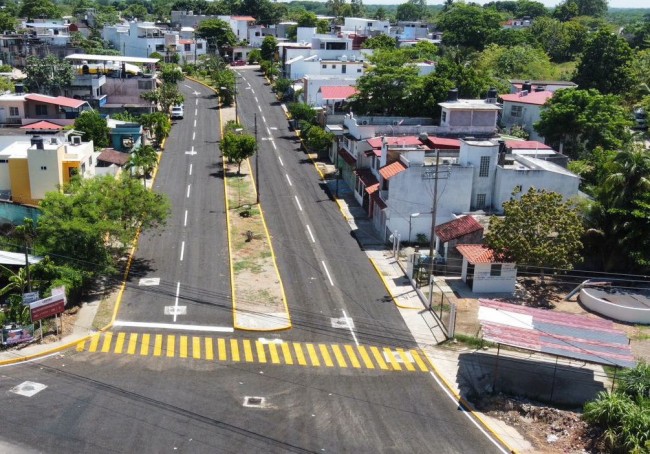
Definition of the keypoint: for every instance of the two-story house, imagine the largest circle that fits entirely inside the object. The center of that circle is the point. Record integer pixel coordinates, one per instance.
(524, 109)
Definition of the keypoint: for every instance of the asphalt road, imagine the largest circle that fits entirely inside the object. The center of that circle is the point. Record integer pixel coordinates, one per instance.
(324, 272)
(189, 255)
(128, 393)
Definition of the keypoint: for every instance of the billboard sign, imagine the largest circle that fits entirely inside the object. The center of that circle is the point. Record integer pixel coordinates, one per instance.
(17, 335)
(30, 297)
(47, 307)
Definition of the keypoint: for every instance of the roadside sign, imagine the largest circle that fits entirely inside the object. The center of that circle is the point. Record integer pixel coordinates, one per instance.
(47, 307)
(30, 297)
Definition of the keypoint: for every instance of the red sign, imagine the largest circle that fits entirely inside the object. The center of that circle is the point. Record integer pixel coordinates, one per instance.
(47, 307)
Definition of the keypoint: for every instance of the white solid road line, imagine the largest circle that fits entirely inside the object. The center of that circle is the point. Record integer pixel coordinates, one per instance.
(274, 147)
(185, 222)
(466, 413)
(188, 190)
(187, 86)
(178, 291)
(313, 240)
(280, 159)
(347, 321)
(288, 179)
(214, 329)
(328, 273)
(298, 202)
(190, 169)
(182, 250)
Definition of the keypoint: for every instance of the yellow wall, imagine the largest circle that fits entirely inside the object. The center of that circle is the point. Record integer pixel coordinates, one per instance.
(65, 169)
(20, 185)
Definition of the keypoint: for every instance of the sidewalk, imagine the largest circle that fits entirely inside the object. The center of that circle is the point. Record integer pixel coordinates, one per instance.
(422, 323)
(81, 330)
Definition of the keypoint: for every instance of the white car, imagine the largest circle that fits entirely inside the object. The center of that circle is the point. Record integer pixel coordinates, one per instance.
(177, 112)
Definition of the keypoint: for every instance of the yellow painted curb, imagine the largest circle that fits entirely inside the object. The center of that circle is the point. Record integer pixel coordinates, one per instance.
(383, 279)
(467, 406)
(23, 359)
(340, 205)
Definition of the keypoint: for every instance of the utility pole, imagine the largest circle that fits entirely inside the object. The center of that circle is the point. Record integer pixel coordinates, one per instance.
(257, 165)
(434, 207)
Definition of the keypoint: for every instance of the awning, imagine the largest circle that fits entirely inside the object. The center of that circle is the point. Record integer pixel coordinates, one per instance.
(347, 157)
(556, 333)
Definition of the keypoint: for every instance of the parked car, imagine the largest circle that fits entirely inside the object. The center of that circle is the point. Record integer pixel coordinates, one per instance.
(237, 63)
(177, 112)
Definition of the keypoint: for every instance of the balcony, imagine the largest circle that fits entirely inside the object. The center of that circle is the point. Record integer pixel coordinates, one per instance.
(89, 80)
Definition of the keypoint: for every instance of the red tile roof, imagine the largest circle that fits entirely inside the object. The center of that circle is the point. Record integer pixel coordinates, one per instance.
(246, 18)
(338, 92)
(537, 98)
(392, 169)
(347, 157)
(476, 253)
(113, 156)
(526, 145)
(185, 41)
(457, 228)
(375, 142)
(42, 125)
(58, 101)
(368, 179)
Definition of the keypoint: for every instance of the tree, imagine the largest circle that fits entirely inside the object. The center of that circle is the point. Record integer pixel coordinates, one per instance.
(94, 128)
(268, 48)
(606, 64)
(254, 56)
(166, 96)
(157, 122)
(562, 41)
(577, 121)
(142, 162)
(135, 11)
(301, 111)
(539, 229)
(238, 147)
(468, 25)
(335, 7)
(381, 14)
(217, 32)
(517, 62)
(39, 9)
(48, 75)
(7, 22)
(318, 139)
(171, 74)
(572, 8)
(385, 90)
(380, 42)
(92, 225)
(412, 10)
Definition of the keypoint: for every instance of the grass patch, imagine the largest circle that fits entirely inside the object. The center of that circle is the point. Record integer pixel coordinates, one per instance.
(250, 265)
(105, 310)
(472, 341)
(265, 254)
(642, 333)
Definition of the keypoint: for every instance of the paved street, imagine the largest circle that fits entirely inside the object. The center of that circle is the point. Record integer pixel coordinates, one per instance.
(182, 269)
(161, 382)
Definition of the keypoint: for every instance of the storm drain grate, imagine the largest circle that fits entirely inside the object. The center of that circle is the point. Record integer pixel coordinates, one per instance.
(255, 402)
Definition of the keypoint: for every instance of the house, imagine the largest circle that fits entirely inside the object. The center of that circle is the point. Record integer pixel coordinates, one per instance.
(462, 117)
(517, 24)
(333, 97)
(32, 166)
(111, 162)
(125, 136)
(484, 272)
(25, 108)
(524, 109)
(535, 149)
(367, 27)
(410, 30)
(517, 85)
(462, 230)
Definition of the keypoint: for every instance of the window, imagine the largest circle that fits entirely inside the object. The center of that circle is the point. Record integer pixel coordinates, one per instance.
(359, 70)
(369, 24)
(13, 112)
(188, 47)
(495, 269)
(515, 111)
(257, 33)
(145, 85)
(199, 45)
(343, 69)
(160, 48)
(43, 167)
(484, 169)
(41, 109)
(83, 168)
(333, 66)
(324, 66)
(480, 201)
(444, 116)
(4, 161)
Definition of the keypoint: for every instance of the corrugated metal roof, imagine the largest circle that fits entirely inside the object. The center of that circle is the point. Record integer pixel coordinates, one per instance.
(58, 101)
(457, 228)
(392, 169)
(537, 98)
(556, 333)
(338, 92)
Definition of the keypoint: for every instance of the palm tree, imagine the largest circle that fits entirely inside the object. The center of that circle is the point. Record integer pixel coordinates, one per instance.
(18, 312)
(142, 162)
(631, 175)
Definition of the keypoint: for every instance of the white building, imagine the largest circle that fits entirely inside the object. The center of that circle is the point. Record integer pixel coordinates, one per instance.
(524, 109)
(469, 116)
(483, 272)
(339, 89)
(363, 26)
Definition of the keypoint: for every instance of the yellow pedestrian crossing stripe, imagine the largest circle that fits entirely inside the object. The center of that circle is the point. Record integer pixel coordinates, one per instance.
(346, 356)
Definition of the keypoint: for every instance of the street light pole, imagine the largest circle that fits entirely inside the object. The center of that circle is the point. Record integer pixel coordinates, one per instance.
(411, 216)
